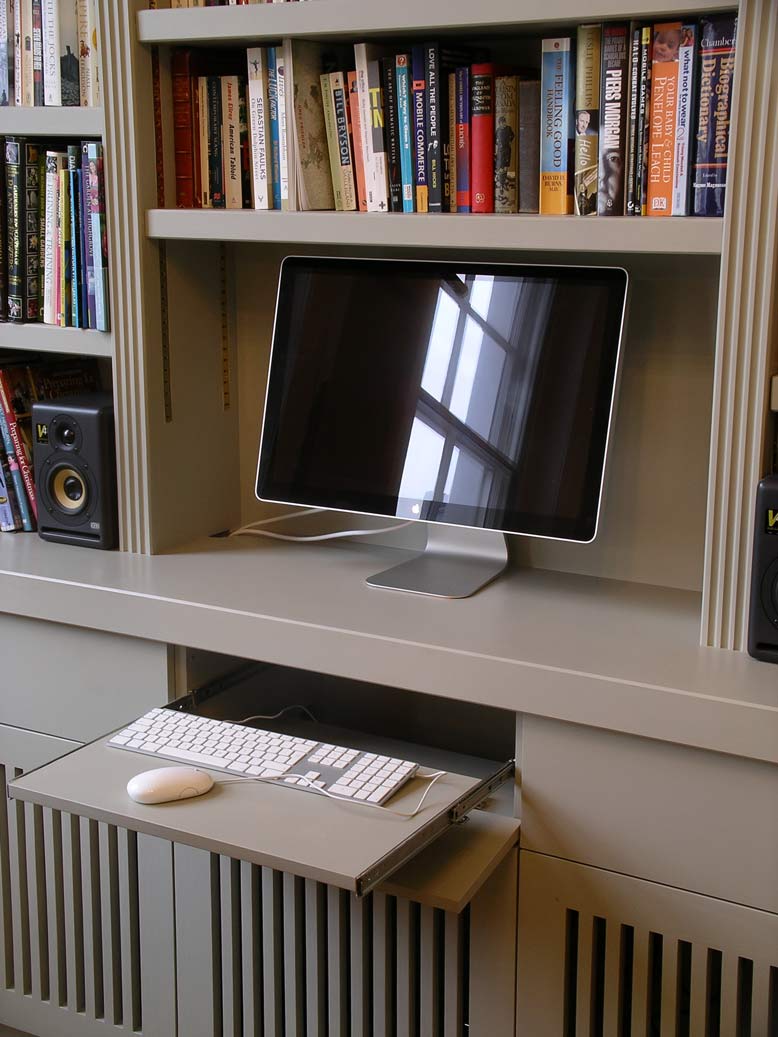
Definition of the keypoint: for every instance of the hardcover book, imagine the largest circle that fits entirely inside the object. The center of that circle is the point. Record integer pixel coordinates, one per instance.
(664, 103)
(687, 67)
(314, 177)
(404, 122)
(529, 145)
(587, 119)
(506, 143)
(482, 138)
(613, 124)
(186, 132)
(55, 162)
(714, 109)
(22, 173)
(557, 139)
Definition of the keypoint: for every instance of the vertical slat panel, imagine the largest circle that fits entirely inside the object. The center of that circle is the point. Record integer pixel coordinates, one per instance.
(232, 997)
(760, 998)
(493, 913)
(337, 961)
(109, 907)
(640, 984)
(407, 969)
(729, 975)
(583, 1000)
(156, 907)
(127, 875)
(294, 955)
(93, 927)
(429, 973)
(613, 980)
(251, 937)
(360, 915)
(272, 953)
(36, 887)
(383, 965)
(74, 912)
(196, 912)
(21, 914)
(315, 958)
(453, 938)
(669, 987)
(6, 916)
(698, 999)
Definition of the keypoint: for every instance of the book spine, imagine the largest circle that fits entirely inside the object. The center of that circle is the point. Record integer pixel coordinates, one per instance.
(632, 127)
(95, 94)
(99, 239)
(644, 117)
(356, 137)
(28, 72)
(462, 156)
(274, 175)
(450, 146)
(18, 450)
(230, 131)
(215, 158)
(17, 36)
(403, 89)
(506, 144)
(529, 145)
(683, 120)
(261, 178)
(433, 130)
(6, 62)
(340, 108)
(556, 127)
(664, 106)
(613, 127)
(3, 242)
(70, 73)
(13, 179)
(184, 130)
(419, 90)
(10, 519)
(389, 86)
(85, 56)
(37, 53)
(41, 226)
(716, 83)
(372, 123)
(15, 473)
(482, 138)
(332, 140)
(243, 143)
(202, 123)
(76, 257)
(52, 186)
(283, 127)
(87, 253)
(30, 231)
(587, 119)
(64, 249)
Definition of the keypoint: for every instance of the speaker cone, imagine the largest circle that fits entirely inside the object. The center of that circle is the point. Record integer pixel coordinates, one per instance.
(68, 489)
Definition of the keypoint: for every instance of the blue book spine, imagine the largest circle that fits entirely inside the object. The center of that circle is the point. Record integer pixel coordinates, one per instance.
(714, 110)
(419, 89)
(99, 239)
(10, 520)
(403, 87)
(462, 143)
(557, 136)
(275, 140)
(16, 476)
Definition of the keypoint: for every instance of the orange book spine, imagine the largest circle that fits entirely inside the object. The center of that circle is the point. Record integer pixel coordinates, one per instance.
(356, 150)
(664, 103)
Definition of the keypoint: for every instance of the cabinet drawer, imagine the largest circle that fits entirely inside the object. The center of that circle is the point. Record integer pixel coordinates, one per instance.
(76, 683)
(690, 818)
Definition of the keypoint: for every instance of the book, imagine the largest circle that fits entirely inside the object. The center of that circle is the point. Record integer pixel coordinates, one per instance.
(340, 109)
(12, 388)
(285, 169)
(37, 53)
(3, 244)
(41, 225)
(65, 258)
(613, 120)
(632, 125)
(22, 188)
(687, 67)
(462, 154)
(419, 109)
(244, 143)
(332, 140)
(96, 202)
(89, 241)
(70, 74)
(644, 122)
(450, 148)
(10, 518)
(587, 119)
(215, 154)
(403, 90)
(14, 473)
(557, 140)
(433, 129)
(716, 78)
(76, 256)
(274, 173)
(89, 85)
(52, 83)
(17, 48)
(230, 143)
(482, 138)
(664, 103)
(529, 145)
(6, 54)
(27, 81)
(356, 141)
(259, 127)
(506, 144)
(202, 137)
(186, 131)
(392, 128)
(55, 162)
(371, 126)
(312, 166)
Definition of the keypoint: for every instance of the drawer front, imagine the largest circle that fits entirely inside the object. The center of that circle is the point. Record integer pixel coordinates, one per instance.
(76, 683)
(690, 818)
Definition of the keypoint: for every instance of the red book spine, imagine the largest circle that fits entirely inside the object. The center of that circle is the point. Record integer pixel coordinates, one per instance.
(482, 138)
(20, 449)
(185, 131)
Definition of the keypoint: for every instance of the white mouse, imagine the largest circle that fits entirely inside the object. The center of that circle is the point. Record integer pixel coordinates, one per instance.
(168, 783)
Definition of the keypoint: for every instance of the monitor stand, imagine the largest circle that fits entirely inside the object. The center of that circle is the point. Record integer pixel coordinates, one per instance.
(456, 562)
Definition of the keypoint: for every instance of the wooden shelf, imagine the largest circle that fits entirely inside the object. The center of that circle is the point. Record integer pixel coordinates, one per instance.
(52, 122)
(43, 338)
(356, 19)
(683, 236)
(619, 656)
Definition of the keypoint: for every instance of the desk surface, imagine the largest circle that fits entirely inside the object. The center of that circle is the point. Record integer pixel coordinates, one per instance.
(615, 655)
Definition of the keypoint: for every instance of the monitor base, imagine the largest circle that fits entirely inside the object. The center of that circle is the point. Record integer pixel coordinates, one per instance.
(456, 563)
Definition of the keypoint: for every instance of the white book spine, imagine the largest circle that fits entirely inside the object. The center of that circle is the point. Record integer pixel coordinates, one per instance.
(683, 124)
(17, 21)
(52, 85)
(233, 197)
(261, 176)
(51, 244)
(202, 91)
(28, 76)
(374, 163)
(283, 136)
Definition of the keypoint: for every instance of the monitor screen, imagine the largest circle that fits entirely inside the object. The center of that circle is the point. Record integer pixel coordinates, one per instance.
(471, 394)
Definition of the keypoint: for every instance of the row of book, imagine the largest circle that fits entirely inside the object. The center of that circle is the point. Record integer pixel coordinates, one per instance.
(226, 3)
(49, 53)
(432, 130)
(53, 242)
(21, 385)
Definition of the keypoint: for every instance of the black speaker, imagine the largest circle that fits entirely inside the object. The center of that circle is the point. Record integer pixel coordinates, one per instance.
(75, 470)
(763, 621)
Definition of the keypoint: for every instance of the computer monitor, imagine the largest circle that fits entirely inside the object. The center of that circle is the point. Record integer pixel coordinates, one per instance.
(459, 394)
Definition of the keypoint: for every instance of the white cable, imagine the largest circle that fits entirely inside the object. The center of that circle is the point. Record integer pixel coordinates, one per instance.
(277, 518)
(275, 716)
(434, 776)
(322, 536)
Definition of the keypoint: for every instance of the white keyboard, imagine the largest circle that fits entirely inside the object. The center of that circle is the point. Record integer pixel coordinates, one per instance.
(238, 750)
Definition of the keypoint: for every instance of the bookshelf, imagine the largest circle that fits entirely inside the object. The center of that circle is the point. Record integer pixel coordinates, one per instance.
(52, 121)
(43, 338)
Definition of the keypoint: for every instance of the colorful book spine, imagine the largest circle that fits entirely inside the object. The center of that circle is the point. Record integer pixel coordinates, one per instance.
(687, 67)
(37, 53)
(6, 56)
(87, 256)
(340, 109)
(41, 226)
(184, 129)
(632, 126)
(275, 144)
(462, 157)
(664, 106)
(285, 128)
(557, 150)
(450, 147)
(403, 89)
(587, 119)
(230, 143)
(10, 518)
(482, 138)
(15, 447)
(506, 144)
(714, 108)
(22, 188)
(261, 175)
(63, 232)
(77, 258)
(371, 124)
(356, 138)
(391, 124)
(644, 120)
(96, 197)
(418, 93)
(433, 114)
(613, 123)
(14, 473)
